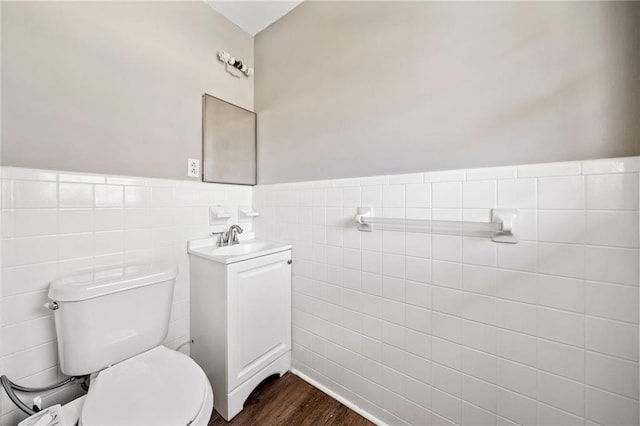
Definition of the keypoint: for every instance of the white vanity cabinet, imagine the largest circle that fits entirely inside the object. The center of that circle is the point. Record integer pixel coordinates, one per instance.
(240, 320)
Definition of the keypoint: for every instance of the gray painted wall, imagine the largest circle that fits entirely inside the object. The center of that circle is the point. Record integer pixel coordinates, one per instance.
(363, 88)
(113, 87)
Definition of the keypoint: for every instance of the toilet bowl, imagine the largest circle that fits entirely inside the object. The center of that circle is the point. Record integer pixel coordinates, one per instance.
(110, 324)
(158, 387)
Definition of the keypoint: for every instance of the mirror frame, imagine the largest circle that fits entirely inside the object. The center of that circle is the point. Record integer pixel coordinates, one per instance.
(255, 139)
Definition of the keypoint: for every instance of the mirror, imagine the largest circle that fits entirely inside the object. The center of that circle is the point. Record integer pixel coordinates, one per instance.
(228, 142)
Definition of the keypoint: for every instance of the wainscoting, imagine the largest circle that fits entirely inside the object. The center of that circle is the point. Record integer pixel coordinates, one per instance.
(424, 329)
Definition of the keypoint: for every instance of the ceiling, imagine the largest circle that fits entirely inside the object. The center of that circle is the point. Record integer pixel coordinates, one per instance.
(253, 16)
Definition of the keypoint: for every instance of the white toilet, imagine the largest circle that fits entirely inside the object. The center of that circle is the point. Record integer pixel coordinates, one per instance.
(110, 325)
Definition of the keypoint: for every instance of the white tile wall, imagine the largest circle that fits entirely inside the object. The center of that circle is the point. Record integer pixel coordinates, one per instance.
(420, 329)
(55, 223)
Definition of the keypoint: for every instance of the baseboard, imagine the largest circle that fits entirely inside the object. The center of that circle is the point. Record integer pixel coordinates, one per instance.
(338, 398)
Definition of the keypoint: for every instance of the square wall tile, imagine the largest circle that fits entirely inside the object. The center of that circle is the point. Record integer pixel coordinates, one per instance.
(417, 244)
(446, 326)
(612, 228)
(562, 360)
(479, 194)
(35, 222)
(24, 251)
(612, 192)
(393, 196)
(75, 246)
(418, 195)
(447, 274)
(561, 226)
(351, 197)
(446, 406)
(560, 326)
(418, 269)
(393, 265)
(521, 257)
(615, 265)
(517, 193)
(517, 286)
(482, 338)
(618, 302)
(479, 393)
(517, 377)
(109, 195)
(548, 415)
(76, 195)
(446, 379)
(479, 251)
(334, 197)
(479, 279)
(447, 195)
(610, 409)
(562, 259)
(613, 338)
(446, 247)
(372, 196)
(418, 392)
(563, 293)
(516, 316)
(446, 353)
(566, 193)
(418, 294)
(517, 347)
(561, 393)
(393, 242)
(31, 194)
(612, 374)
(516, 407)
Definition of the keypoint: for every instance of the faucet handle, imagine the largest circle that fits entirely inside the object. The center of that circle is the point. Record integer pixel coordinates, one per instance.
(220, 241)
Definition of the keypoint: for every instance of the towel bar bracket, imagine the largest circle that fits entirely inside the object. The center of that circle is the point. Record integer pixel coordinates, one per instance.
(364, 212)
(508, 231)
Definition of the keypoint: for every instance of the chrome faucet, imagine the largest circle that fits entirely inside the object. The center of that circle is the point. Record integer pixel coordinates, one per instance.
(228, 237)
(232, 235)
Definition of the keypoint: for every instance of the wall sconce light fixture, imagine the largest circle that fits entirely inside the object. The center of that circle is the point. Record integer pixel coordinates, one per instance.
(239, 65)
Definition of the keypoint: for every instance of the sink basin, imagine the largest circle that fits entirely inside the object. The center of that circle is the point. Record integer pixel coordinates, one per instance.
(244, 248)
(230, 254)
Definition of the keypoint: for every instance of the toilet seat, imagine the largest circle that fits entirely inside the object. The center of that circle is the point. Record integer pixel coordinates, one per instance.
(157, 387)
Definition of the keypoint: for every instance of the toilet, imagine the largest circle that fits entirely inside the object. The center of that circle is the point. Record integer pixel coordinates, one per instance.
(110, 324)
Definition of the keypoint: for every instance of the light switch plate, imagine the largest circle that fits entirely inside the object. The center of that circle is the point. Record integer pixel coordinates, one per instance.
(193, 167)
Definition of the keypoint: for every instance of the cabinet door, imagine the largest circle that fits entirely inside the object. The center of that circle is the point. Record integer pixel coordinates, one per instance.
(259, 316)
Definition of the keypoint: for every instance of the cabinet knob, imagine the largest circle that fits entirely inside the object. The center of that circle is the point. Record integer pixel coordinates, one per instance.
(289, 262)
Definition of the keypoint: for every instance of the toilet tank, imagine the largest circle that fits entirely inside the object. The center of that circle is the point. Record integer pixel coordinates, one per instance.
(106, 316)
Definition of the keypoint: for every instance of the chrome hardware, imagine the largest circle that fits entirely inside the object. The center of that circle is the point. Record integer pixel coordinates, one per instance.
(221, 239)
(229, 237)
(51, 305)
(232, 235)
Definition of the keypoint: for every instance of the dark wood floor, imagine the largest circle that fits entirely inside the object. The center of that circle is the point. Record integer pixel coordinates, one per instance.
(289, 400)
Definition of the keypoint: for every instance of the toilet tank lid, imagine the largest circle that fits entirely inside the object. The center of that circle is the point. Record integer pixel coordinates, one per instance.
(100, 282)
